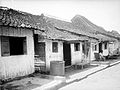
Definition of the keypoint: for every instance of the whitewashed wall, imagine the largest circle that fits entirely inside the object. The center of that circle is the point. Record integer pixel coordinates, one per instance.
(50, 56)
(114, 46)
(105, 51)
(76, 56)
(117, 45)
(93, 51)
(18, 65)
(111, 47)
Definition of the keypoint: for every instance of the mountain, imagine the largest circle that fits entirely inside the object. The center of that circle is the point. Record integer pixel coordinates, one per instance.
(81, 21)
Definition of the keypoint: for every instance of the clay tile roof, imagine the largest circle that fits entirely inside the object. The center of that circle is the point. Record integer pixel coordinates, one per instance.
(16, 18)
(54, 33)
(105, 38)
(68, 26)
(114, 33)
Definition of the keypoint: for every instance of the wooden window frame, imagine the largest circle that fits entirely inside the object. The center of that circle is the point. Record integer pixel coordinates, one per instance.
(95, 48)
(77, 46)
(5, 46)
(55, 47)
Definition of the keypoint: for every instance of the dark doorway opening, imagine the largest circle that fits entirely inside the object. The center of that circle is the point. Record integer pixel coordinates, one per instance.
(41, 50)
(67, 54)
(100, 47)
(36, 43)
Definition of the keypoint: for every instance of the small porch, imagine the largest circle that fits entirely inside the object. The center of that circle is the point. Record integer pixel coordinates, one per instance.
(40, 54)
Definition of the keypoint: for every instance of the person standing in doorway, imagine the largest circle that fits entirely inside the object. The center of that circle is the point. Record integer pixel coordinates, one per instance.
(101, 55)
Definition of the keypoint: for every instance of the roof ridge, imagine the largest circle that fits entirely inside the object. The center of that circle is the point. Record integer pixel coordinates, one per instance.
(55, 17)
(5, 8)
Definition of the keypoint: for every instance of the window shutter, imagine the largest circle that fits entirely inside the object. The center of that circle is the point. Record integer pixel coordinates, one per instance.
(24, 46)
(5, 50)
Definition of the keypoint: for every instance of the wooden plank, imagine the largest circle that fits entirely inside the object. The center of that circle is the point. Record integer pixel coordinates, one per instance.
(0, 30)
(25, 46)
(5, 50)
(0, 46)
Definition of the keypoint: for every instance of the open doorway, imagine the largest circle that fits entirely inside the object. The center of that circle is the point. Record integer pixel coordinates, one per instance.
(67, 54)
(39, 48)
(100, 47)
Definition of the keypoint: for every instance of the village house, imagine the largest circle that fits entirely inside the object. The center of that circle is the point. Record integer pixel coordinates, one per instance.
(105, 39)
(108, 43)
(25, 37)
(104, 44)
(29, 42)
(114, 47)
(59, 45)
(17, 42)
(71, 47)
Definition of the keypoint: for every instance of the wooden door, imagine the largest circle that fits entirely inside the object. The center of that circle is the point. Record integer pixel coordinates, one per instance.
(67, 54)
(100, 47)
(41, 50)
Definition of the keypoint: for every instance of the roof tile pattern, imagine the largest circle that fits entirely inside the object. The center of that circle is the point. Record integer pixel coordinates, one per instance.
(79, 29)
(68, 26)
(16, 18)
(54, 33)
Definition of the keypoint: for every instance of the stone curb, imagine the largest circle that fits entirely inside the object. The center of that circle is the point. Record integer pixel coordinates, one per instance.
(51, 86)
(84, 75)
(60, 81)
(56, 83)
(112, 64)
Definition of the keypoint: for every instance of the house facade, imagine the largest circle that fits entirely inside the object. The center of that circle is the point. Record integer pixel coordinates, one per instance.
(114, 47)
(16, 52)
(104, 37)
(94, 49)
(48, 50)
(59, 50)
(16, 43)
(27, 41)
(59, 45)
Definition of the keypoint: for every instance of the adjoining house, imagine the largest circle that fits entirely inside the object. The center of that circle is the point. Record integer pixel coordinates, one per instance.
(24, 36)
(61, 44)
(16, 42)
(114, 47)
(106, 39)
(108, 44)
(104, 45)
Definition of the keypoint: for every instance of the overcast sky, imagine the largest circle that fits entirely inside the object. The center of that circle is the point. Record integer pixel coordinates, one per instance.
(105, 13)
